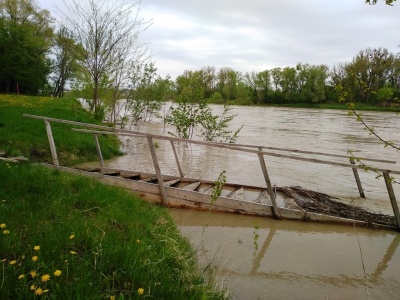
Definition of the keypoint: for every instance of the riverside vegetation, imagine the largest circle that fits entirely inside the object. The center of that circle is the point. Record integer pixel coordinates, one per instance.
(68, 237)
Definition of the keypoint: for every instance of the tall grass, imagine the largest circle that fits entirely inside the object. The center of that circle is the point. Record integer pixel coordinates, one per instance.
(68, 237)
(27, 137)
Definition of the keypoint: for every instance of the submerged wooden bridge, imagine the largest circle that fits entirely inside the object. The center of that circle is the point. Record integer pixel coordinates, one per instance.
(180, 191)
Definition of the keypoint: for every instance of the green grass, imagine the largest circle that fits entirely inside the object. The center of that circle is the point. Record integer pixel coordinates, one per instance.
(105, 241)
(24, 136)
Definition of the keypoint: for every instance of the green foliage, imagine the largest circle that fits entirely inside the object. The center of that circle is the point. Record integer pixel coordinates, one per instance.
(149, 92)
(25, 40)
(217, 189)
(69, 237)
(373, 2)
(192, 112)
(216, 127)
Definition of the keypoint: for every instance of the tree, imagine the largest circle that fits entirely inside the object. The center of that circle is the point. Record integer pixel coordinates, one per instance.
(373, 2)
(192, 112)
(103, 29)
(64, 64)
(25, 40)
(148, 92)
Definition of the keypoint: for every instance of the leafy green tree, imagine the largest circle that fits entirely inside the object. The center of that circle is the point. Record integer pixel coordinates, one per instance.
(25, 40)
(192, 112)
(373, 2)
(64, 64)
(148, 93)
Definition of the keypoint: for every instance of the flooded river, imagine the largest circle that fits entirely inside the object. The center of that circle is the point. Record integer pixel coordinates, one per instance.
(260, 258)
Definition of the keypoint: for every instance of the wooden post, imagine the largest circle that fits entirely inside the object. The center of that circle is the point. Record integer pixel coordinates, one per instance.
(176, 158)
(51, 142)
(98, 149)
(270, 189)
(358, 181)
(392, 196)
(163, 192)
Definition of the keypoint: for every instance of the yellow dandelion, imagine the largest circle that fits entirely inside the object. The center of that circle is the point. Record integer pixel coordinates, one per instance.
(138, 241)
(45, 277)
(72, 252)
(13, 262)
(34, 258)
(33, 273)
(3, 225)
(36, 248)
(38, 291)
(32, 287)
(57, 273)
(21, 276)
(140, 291)
(6, 231)
(72, 236)
(112, 297)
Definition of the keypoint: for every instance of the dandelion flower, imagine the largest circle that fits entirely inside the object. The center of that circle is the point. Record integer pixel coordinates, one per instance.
(140, 291)
(112, 297)
(3, 225)
(138, 241)
(13, 262)
(72, 236)
(38, 291)
(57, 273)
(36, 248)
(34, 258)
(21, 276)
(72, 252)
(32, 287)
(33, 274)
(45, 277)
(6, 231)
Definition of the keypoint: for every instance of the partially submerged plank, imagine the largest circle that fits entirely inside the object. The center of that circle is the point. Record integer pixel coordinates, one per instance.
(149, 179)
(263, 198)
(237, 194)
(192, 186)
(172, 182)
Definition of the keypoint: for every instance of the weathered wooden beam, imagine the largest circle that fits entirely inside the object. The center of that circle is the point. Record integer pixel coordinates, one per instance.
(358, 181)
(392, 196)
(51, 143)
(164, 197)
(275, 207)
(176, 158)
(98, 149)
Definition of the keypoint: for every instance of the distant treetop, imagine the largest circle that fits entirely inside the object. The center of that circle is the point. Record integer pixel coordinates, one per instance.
(373, 2)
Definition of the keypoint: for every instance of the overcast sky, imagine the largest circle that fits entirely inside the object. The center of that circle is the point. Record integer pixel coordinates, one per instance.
(254, 35)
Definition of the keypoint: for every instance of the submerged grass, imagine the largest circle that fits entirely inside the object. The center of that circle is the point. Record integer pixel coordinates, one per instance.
(68, 237)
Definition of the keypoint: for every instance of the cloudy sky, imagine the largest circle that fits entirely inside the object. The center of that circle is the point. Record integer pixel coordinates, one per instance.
(254, 35)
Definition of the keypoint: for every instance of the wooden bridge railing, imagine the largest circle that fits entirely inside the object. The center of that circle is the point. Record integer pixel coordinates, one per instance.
(260, 151)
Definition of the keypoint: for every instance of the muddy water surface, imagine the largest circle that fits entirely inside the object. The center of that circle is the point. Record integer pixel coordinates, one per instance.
(260, 258)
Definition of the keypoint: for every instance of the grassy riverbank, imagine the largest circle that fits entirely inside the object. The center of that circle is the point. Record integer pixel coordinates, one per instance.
(27, 137)
(63, 236)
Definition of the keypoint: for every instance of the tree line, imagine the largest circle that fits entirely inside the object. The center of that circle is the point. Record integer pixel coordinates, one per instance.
(95, 51)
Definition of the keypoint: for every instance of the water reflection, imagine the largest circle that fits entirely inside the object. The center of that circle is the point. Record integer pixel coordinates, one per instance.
(261, 258)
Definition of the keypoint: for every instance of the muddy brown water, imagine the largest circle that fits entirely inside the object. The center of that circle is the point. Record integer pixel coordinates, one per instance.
(260, 258)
